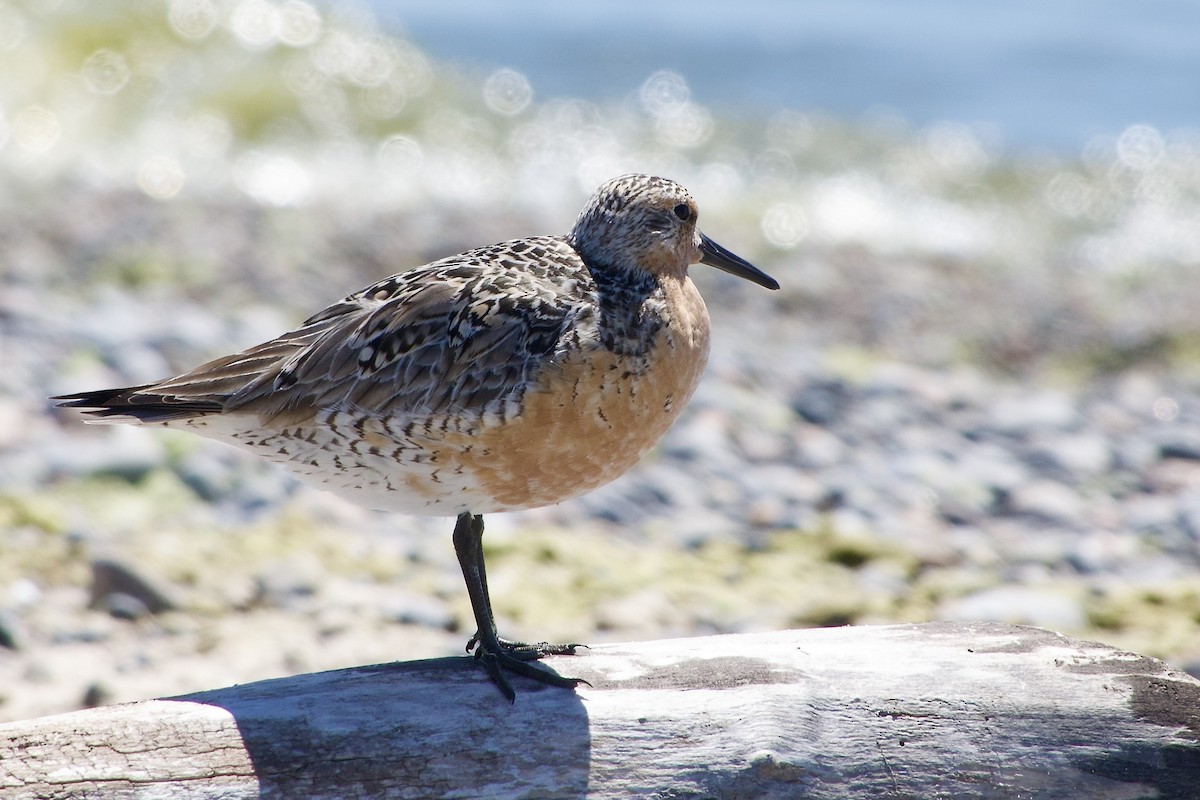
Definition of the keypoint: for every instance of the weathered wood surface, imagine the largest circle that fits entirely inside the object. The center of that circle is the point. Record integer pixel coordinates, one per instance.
(898, 711)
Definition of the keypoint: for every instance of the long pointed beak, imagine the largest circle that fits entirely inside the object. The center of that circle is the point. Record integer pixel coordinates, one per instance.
(714, 255)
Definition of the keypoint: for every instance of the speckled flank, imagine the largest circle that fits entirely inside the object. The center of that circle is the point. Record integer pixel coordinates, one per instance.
(510, 376)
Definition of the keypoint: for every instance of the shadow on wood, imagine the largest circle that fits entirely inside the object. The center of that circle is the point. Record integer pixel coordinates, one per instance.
(939, 709)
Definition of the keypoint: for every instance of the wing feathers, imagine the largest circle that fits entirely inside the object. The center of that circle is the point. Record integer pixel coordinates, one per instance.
(453, 335)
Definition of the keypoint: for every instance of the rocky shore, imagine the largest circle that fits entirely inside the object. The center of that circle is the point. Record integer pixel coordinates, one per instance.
(812, 482)
(976, 396)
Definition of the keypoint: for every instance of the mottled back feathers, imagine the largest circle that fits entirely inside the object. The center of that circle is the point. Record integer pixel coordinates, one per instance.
(450, 337)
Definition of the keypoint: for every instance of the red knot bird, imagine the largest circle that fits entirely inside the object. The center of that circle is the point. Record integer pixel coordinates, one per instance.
(512, 376)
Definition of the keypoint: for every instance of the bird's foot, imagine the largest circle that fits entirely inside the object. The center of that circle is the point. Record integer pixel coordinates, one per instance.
(526, 651)
(516, 657)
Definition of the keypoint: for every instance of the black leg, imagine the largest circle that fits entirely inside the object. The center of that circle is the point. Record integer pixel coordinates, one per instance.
(494, 653)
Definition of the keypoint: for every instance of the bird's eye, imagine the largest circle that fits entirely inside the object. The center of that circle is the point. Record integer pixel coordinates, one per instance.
(683, 211)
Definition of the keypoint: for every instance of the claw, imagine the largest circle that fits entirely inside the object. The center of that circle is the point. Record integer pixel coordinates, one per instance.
(494, 653)
(517, 657)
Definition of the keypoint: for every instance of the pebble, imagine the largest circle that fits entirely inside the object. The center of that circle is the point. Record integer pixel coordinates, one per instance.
(1016, 605)
(1075, 455)
(1048, 501)
(1021, 414)
(96, 694)
(12, 632)
(701, 437)
(822, 402)
(1134, 453)
(13, 416)
(120, 605)
(1178, 442)
(286, 582)
(126, 453)
(818, 448)
(413, 608)
(1102, 552)
(122, 591)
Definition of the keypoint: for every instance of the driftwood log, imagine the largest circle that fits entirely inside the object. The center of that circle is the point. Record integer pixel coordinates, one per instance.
(897, 711)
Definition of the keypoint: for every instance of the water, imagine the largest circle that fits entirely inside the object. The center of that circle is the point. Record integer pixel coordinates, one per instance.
(1035, 73)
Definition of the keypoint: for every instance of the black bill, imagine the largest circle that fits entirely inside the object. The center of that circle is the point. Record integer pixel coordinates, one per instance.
(714, 255)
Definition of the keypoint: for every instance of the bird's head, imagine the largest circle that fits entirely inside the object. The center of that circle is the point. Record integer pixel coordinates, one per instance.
(642, 222)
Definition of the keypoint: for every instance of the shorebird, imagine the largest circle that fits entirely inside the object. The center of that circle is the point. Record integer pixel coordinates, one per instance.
(507, 377)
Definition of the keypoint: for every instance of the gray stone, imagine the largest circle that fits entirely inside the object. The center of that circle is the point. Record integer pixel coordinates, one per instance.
(1019, 414)
(125, 452)
(120, 605)
(817, 448)
(1103, 552)
(286, 581)
(1080, 455)
(1134, 453)
(114, 578)
(12, 631)
(698, 437)
(413, 608)
(1048, 500)
(989, 464)
(822, 402)
(1016, 604)
(1178, 441)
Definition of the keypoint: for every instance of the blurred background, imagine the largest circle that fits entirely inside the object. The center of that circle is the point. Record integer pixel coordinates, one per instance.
(974, 398)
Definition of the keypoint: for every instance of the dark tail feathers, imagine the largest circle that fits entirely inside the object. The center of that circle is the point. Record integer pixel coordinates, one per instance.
(134, 402)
